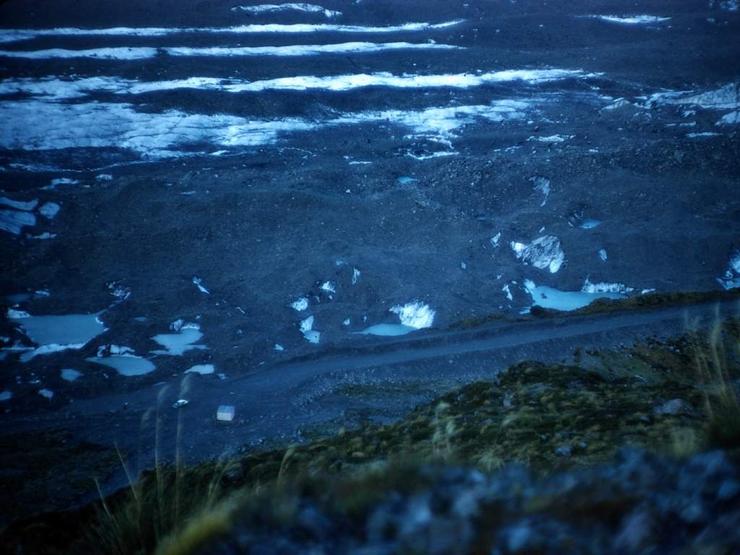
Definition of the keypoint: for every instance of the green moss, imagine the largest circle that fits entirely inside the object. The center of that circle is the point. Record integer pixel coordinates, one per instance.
(545, 416)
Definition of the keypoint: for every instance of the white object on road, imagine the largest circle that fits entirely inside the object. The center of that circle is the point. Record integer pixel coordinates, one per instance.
(225, 413)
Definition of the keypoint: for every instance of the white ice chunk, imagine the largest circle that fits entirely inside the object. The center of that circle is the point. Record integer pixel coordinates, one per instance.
(70, 374)
(49, 210)
(202, 369)
(355, 276)
(552, 139)
(733, 118)
(415, 314)
(603, 255)
(312, 336)
(15, 314)
(507, 290)
(632, 19)
(300, 304)
(603, 287)
(106, 350)
(44, 235)
(113, 53)
(198, 282)
(618, 104)
(46, 393)
(589, 223)
(495, 239)
(293, 6)
(329, 287)
(544, 253)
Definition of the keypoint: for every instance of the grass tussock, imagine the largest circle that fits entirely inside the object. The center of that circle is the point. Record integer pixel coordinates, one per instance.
(160, 503)
(545, 416)
(721, 398)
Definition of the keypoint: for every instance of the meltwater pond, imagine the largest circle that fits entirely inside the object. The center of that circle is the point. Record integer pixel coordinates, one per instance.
(554, 299)
(181, 341)
(126, 365)
(387, 330)
(56, 333)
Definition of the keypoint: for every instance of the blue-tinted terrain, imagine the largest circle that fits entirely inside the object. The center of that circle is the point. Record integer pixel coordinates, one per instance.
(219, 219)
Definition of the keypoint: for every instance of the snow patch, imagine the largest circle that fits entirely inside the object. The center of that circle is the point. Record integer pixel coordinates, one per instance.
(15, 35)
(632, 19)
(27, 205)
(62, 88)
(36, 125)
(726, 97)
(552, 139)
(112, 53)
(304, 49)
(293, 6)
